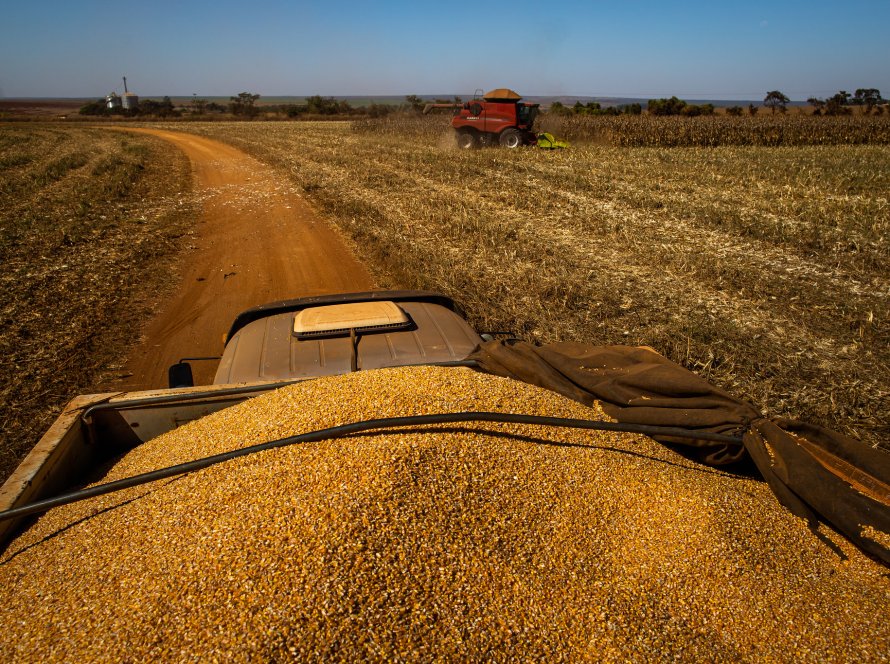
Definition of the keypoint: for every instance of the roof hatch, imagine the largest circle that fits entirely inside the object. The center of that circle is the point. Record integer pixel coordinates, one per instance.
(339, 319)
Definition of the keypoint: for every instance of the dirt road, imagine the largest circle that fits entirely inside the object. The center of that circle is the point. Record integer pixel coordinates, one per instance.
(258, 241)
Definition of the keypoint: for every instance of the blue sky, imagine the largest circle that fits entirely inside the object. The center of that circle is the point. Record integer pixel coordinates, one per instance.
(694, 49)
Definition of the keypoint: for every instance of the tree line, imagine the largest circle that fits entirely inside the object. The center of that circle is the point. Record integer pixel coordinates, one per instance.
(244, 105)
(595, 108)
(868, 98)
(775, 100)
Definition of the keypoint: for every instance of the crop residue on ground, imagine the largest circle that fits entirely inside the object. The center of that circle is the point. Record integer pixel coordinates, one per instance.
(89, 219)
(765, 269)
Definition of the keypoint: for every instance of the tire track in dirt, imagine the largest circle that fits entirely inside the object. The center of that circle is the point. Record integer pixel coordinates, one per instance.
(258, 241)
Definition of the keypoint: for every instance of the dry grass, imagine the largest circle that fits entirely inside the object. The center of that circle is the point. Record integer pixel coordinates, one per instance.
(764, 269)
(87, 219)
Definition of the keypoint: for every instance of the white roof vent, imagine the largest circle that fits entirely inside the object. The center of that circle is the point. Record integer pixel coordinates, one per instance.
(339, 319)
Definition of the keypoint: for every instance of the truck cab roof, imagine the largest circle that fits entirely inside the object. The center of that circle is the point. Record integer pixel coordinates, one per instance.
(331, 335)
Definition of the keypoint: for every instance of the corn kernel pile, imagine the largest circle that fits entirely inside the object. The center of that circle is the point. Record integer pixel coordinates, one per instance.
(479, 541)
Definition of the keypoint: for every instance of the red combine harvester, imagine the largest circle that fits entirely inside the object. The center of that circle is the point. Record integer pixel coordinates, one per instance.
(498, 117)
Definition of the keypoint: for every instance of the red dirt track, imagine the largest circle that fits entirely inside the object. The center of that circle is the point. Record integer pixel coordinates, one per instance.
(257, 241)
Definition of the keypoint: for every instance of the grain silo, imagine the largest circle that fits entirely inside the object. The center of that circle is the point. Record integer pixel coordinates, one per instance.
(130, 100)
(113, 101)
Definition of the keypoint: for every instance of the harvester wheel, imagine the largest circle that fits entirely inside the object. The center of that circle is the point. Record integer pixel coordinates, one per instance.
(511, 138)
(466, 140)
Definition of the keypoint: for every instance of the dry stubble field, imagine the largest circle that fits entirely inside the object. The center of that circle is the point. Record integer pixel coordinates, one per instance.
(89, 219)
(763, 268)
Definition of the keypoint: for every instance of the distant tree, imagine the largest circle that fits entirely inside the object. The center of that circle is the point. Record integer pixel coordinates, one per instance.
(292, 110)
(842, 97)
(752, 110)
(838, 104)
(415, 102)
(244, 104)
(631, 109)
(98, 107)
(558, 108)
(199, 106)
(693, 110)
(868, 97)
(672, 106)
(864, 95)
(775, 100)
(166, 108)
(735, 111)
(159, 109)
(319, 105)
(817, 104)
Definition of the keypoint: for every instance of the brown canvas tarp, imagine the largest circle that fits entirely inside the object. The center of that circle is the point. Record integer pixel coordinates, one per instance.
(814, 472)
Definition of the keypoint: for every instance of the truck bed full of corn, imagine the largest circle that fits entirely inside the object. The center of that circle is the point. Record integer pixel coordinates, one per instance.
(480, 541)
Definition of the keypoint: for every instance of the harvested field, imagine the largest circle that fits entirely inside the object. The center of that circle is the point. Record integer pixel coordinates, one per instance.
(39, 109)
(477, 542)
(765, 269)
(88, 219)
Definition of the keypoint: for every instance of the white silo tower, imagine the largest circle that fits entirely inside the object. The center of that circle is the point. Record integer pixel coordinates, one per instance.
(130, 100)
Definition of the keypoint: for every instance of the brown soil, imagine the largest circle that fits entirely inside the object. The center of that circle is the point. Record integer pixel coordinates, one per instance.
(258, 241)
(40, 108)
